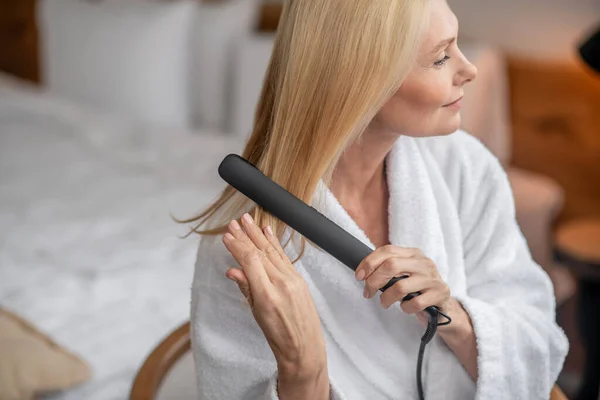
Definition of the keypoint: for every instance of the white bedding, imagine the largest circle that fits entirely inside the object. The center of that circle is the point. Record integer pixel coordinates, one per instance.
(88, 251)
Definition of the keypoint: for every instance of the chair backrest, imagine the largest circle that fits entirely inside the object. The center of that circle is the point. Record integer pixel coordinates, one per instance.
(159, 362)
(173, 348)
(557, 394)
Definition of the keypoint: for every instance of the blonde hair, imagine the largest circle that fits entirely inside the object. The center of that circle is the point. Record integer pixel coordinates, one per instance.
(334, 65)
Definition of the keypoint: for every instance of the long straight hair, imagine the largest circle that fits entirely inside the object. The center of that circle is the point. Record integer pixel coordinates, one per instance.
(334, 65)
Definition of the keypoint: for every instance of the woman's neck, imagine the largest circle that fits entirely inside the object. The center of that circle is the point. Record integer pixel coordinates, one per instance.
(359, 184)
(359, 174)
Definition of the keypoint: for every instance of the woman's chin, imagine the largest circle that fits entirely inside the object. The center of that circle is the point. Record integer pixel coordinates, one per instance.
(451, 125)
(441, 127)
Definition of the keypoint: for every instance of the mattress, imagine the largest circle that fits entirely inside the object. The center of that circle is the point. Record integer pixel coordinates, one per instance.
(88, 250)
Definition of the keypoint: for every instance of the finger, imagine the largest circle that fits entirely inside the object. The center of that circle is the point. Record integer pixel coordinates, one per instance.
(391, 268)
(250, 259)
(236, 230)
(400, 289)
(423, 318)
(238, 276)
(277, 245)
(274, 241)
(427, 298)
(377, 257)
(263, 243)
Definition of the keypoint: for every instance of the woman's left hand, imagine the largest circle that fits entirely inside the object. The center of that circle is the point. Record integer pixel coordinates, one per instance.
(390, 261)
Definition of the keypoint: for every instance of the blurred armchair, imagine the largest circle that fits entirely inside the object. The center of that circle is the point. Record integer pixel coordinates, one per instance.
(538, 198)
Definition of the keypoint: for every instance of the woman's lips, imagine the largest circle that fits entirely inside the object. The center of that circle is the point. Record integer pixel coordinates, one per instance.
(455, 103)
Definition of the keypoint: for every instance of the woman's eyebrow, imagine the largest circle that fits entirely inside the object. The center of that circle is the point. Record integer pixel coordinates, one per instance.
(442, 44)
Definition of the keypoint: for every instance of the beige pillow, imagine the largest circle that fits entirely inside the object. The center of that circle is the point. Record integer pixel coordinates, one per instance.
(31, 363)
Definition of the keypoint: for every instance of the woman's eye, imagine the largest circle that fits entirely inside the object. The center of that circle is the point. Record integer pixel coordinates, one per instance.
(442, 61)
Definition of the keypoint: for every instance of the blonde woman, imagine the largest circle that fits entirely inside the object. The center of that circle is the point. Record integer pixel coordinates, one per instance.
(359, 116)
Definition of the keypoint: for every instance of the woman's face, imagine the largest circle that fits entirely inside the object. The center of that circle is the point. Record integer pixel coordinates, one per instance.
(428, 102)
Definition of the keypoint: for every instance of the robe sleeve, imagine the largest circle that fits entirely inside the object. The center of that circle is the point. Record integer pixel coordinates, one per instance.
(509, 297)
(232, 357)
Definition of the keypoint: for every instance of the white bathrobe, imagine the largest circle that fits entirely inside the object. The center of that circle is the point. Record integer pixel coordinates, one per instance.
(449, 197)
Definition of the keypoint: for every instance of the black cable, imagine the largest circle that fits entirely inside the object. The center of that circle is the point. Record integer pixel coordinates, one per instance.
(420, 370)
(432, 326)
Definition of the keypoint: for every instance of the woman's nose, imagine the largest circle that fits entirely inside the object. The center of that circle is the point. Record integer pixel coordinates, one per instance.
(470, 72)
(467, 73)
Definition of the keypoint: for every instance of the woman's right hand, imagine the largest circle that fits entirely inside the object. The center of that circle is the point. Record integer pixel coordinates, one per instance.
(280, 300)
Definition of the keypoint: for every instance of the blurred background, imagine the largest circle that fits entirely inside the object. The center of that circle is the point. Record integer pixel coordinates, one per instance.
(114, 115)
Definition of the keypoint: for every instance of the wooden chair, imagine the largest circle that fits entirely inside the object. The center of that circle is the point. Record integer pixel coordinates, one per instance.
(172, 349)
(154, 370)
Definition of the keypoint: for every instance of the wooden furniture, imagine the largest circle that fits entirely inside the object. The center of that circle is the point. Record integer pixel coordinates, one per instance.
(159, 362)
(555, 109)
(581, 240)
(170, 351)
(269, 17)
(19, 39)
(578, 247)
(555, 113)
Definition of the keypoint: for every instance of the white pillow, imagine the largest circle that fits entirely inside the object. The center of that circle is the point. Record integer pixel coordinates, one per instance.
(252, 61)
(220, 27)
(126, 56)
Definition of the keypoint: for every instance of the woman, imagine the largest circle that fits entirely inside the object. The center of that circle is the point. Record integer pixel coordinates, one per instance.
(359, 117)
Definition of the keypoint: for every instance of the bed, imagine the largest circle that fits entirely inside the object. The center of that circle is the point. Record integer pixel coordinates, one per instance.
(88, 249)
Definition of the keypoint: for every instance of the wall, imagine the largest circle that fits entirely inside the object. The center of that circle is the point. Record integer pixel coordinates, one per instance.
(542, 29)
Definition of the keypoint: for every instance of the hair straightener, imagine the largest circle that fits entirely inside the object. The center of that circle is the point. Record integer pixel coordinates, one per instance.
(313, 225)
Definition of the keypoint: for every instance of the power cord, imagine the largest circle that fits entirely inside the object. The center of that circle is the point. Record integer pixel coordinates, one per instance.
(432, 325)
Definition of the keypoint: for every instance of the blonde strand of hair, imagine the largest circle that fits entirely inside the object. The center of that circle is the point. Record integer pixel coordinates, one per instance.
(333, 66)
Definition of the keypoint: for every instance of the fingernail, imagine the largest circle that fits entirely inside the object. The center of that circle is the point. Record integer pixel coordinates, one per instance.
(233, 279)
(248, 218)
(235, 225)
(228, 236)
(366, 293)
(269, 230)
(361, 275)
